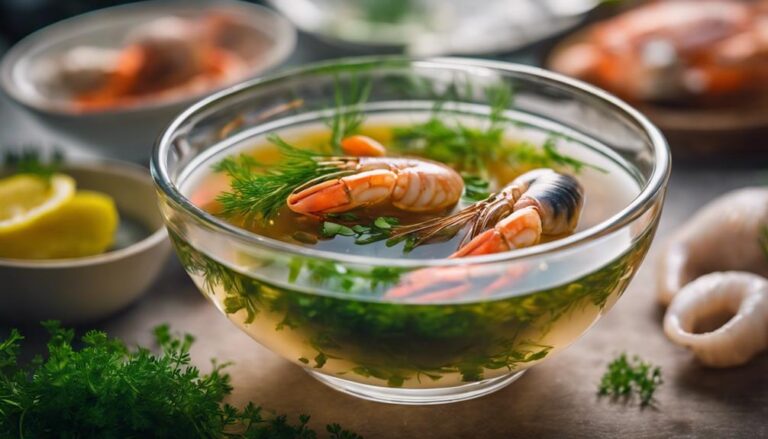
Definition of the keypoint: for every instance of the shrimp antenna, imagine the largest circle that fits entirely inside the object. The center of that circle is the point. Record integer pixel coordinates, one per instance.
(478, 214)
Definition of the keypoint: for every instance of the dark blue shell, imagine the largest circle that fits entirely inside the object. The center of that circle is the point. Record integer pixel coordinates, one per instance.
(558, 197)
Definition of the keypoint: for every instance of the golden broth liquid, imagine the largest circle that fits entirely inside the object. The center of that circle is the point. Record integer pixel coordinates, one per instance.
(606, 194)
(345, 328)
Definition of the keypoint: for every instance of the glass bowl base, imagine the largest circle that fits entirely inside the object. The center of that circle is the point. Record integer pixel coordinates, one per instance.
(392, 395)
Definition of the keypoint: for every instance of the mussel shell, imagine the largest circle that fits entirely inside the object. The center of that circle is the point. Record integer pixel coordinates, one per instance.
(558, 197)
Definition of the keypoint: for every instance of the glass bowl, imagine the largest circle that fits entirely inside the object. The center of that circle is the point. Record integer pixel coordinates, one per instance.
(342, 317)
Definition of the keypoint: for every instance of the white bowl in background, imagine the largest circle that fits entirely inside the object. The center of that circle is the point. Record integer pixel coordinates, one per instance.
(125, 133)
(84, 289)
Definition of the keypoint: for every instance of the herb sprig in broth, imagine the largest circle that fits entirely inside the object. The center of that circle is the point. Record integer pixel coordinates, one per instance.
(260, 190)
(474, 150)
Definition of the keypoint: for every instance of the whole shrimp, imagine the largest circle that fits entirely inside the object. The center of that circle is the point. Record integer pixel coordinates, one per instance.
(539, 202)
(728, 234)
(414, 185)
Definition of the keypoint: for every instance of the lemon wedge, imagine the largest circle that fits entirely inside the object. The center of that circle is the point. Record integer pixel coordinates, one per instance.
(48, 219)
(25, 198)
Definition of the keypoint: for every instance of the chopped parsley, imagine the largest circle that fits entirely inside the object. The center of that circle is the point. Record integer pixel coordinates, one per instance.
(379, 230)
(30, 161)
(475, 188)
(626, 377)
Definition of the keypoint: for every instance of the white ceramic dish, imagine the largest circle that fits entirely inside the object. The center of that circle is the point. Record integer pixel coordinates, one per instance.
(125, 133)
(83, 289)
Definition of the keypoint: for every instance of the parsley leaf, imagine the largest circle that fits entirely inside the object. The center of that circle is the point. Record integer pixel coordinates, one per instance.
(626, 377)
(379, 230)
(30, 162)
(475, 188)
(331, 230)
(106, 390)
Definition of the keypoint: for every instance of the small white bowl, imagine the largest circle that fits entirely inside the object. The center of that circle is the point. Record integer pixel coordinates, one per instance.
(89, 288)
(125, 133)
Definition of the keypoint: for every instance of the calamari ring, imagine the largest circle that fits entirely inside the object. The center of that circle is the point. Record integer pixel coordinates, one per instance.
(745, 295)
(724, 235)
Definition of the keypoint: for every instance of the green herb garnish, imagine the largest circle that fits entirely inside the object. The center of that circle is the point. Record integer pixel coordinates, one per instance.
(626, 377)
(763, 240)
(30, 162)
(348, 115)
(106, 390)
(377, 231)
(331, 230)
(475, 188)
(259, 191)
(473, 149)
(391, 12)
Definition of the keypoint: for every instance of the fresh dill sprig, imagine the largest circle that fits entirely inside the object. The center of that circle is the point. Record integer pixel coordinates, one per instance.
(626, 377)
(107, 390)
(500, 97)
(259, 191)
(348, 115)
(29, 161)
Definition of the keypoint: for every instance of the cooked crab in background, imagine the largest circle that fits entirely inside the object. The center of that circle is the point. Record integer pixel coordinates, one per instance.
(681, 52)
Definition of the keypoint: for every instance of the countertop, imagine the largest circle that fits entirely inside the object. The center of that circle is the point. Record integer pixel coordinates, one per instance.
(555, 399)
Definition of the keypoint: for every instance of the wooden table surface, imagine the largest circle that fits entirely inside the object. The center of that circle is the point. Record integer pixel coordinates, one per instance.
(555, 399)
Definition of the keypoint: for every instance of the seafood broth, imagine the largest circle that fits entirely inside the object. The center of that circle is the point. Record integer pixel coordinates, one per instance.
(347, 323)
(607, 190)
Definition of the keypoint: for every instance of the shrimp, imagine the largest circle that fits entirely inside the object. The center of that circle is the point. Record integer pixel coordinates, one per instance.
(539, 202)
(362, 146)
(725, 235)
(168, 55)
(413, 185)
(744, 295)
(549, 203)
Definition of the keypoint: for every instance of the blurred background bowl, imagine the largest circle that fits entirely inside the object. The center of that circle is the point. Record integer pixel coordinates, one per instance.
(435, 27)
(126, 133)
(698, 132)
(84, 289)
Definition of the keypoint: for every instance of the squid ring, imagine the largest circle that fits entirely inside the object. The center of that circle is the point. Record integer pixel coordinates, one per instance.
(745, 295)
(724, 235)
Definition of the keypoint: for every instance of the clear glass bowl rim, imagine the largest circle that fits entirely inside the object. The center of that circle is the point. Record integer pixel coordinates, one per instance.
(653, 188)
